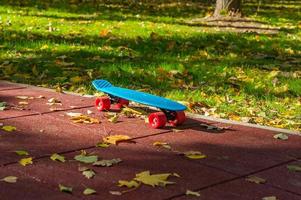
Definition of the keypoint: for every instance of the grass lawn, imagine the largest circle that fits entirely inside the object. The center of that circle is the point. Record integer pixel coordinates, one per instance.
(240, 75)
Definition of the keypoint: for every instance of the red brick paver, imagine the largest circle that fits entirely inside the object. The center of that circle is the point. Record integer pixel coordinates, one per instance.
(232, 154)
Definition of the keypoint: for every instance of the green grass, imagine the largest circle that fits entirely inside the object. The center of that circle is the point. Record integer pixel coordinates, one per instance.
(149, 46)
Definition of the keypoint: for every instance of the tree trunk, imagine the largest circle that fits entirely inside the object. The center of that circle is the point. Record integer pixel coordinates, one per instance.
(227, 8)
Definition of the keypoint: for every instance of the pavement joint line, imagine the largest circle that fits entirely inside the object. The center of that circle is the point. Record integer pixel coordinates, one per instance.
(45, 113)
(240, 177)
(192, 115)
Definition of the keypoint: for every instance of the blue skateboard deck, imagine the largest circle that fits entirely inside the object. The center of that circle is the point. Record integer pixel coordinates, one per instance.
(137, 96)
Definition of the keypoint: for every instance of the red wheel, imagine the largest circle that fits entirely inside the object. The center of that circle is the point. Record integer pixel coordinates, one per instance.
(157, 119)
(179, 118)
(103, 103)
(122, 102)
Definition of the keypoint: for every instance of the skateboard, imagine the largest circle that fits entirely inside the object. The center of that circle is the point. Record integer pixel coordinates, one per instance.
(171, 111)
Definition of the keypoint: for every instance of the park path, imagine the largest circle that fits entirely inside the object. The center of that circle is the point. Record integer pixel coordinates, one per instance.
(233, 152)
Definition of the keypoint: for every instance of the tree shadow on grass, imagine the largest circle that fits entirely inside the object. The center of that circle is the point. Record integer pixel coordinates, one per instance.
(131, 61)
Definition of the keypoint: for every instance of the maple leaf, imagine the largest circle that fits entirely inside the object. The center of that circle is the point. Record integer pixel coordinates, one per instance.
(9, 179)
(153, 180)
(8, 128)
(129, 184)
(194, 155)
(58, 157)
(26, 161)
(113, 139)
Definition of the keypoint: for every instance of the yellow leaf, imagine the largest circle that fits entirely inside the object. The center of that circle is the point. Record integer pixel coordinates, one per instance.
(153, 180)
(194, 155)
(89, 191)
(22, 153)
(26, 161)
(84, 119)
(113, 139)
(128, 184)
(9, 128)
(58, 157)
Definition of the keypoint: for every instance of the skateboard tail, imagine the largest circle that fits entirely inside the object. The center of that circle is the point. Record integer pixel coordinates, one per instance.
(98, 84)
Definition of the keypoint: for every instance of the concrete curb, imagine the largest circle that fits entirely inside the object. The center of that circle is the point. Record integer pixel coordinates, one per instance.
(197, 116)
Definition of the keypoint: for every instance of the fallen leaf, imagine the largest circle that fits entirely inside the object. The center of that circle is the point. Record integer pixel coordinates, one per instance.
(3, 106)
(255, 179)
(107, 163)
(113, 118)
(23, 103)
(162, 144)
(89, 191)
(115, 193)
(133, 112)
(114, 139)
(54, 101)
(40, 97)
(281, 136)
(26, 161)
(9, 179)
(24, 97)
(58, 157)
(294, 168)
(153, 180)
(129, 184)
(102, 145)
(194, 155)
(192, 193)
(8, 128)
(88, 173)
(65, 188)
(86, 159)
(84, 119)
(176, 175)
(269, 198)
(22, 153)
(73, 114)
